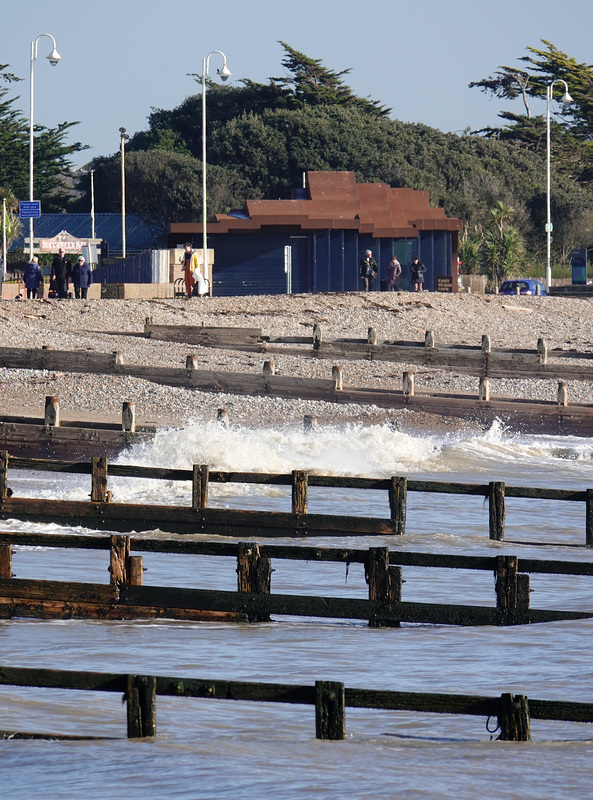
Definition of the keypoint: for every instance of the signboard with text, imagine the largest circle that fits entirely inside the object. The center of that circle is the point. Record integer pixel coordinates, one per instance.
(68, 243)
(444, 283)
(30, 209)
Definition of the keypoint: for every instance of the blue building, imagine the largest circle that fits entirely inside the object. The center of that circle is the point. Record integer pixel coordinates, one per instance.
(313, 242)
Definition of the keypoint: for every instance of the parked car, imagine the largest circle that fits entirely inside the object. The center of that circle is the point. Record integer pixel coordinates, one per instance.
(525, 286)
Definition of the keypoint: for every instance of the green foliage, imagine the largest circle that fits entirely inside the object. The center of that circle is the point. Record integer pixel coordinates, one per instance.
(163, 186)
(13, 222)
(502, 247)
(52, 154)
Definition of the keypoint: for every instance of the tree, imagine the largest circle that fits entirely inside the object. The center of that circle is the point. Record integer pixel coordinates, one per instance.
(52, 153)
(502, 245)
(13, 223)
(163, 186)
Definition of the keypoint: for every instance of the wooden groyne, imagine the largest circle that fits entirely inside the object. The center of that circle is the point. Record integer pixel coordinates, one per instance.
(52, 436)
(126, 596)
(554, 417)
(197, 518)
(512, 713)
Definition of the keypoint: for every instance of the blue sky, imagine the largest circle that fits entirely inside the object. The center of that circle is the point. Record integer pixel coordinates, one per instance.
(121, 57)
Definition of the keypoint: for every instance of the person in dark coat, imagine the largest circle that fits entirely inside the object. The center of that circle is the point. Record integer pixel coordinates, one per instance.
(368, 270)
(417, 270)
(81, 278)
(33, 277)
(61, 271)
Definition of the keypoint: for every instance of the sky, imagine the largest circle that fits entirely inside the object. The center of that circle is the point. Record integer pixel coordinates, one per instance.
(121, 58)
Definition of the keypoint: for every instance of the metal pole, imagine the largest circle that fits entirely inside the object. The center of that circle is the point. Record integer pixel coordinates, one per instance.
(31, 197)
(548, 209)
(204, 199)
(3, 239)
(92, 204)
(123, 137)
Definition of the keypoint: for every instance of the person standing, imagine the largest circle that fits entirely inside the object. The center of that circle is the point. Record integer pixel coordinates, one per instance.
(189, 259)
(368, 270)
(33, 278)
(394, 271)
(61, 270)
(81, 278)
(417, 270)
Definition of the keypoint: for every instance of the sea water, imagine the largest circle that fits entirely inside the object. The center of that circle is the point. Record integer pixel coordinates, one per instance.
(212, 748)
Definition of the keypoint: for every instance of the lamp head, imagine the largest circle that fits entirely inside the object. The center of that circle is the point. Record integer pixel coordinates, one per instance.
(566, 99)
(54, 57)
(224, 73)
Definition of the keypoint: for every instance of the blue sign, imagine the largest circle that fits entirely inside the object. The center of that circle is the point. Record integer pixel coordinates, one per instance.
(29, 209)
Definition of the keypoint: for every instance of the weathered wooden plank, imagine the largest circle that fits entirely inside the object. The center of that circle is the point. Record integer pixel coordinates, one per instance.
(224, 522)
(17, 588)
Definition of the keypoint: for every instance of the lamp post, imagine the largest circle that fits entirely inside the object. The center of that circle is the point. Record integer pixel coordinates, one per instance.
(566, 100)
(225, 74)
(92, 204)
(53, 59)
(123, 136)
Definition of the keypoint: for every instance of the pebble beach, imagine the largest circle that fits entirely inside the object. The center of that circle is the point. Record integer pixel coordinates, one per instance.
(117, 325)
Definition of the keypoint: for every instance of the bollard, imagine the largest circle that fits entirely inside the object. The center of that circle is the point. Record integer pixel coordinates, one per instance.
(269, 368)
(118, 358)
(542, 351)
(52, 412)
(309, 423)
(562, 394)
(372, 336)
(128, 417)
(254, 574)
(398, 498)
(429, 340)
(201, 477)
(408, 384)
(300, 491)
(484, 390)
(337, 377)
(330, 716)
(191, 362)
(222, 417)
(140, 700)
(496, 510)
(486, 343)
(317, 336)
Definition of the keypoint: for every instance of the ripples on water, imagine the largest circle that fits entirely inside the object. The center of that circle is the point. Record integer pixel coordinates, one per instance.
(223, 749)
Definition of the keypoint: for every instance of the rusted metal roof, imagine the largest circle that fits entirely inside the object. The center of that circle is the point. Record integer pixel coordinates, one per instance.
(337, 202)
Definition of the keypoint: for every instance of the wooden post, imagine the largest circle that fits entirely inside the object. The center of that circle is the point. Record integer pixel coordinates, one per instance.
(141, 706)
(300, 491)
(191, 363)
(486, 343)
(522, 610)
(517, 289)
(562, 394)
(398, 500)
(3, 475)
(589, 518)
(269, 368)
(372, 337)
(330, 710)
(429, 340)
(542, 351)
(538, 290)
(199, 495)
(385, 584)
(99, 492)
(484, 390)
(128, 417)
(337, 377)
(514, 719)
(222, 417)
(254, 574)
(496, 510)
(408, 384)
(52, 411)
(309, 423)
(118, 358)
(136, 571)
(5, 561)
(119, 556)
(317, 338)
(147, 324)
(506, 588)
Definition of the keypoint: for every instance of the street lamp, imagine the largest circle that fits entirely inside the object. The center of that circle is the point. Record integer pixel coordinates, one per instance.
(225, 74)
(53, 59)
(123, 137)
(566, 100)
